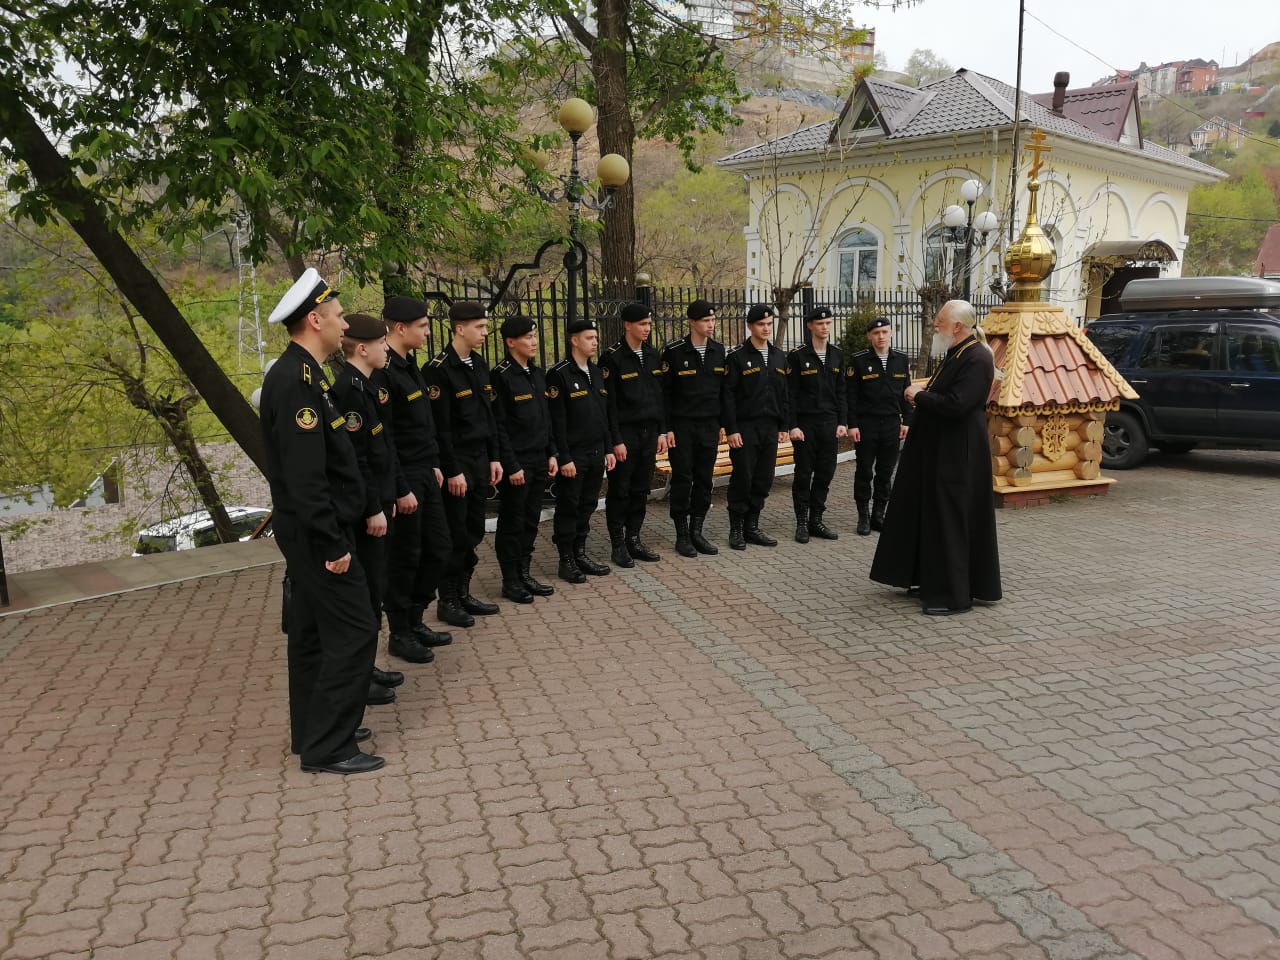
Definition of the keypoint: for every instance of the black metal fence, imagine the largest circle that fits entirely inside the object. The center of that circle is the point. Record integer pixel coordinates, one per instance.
(546, 303)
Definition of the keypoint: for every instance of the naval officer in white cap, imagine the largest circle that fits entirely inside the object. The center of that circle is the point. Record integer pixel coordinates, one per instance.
(317, 494)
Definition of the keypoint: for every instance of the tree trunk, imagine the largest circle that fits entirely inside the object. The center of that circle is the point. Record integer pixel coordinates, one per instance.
(616, 130)
(81, 209)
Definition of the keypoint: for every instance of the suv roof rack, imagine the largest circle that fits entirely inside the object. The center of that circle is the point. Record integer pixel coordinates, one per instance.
(1202, 293)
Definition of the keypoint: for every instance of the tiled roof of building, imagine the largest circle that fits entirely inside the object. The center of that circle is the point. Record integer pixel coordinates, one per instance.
(1102, 109)
(1046, 359)
(1268, 262)
(963, 101)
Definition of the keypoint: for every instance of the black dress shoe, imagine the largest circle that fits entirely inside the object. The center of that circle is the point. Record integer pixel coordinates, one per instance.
(639, 551)
(363, 734)
(476, 606)
(431, 638)
(379, 695)
(945, 611)
(406, 647)
(360, 763)
(387, 678)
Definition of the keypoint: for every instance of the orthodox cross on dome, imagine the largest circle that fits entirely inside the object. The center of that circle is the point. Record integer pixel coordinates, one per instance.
(1037, 147)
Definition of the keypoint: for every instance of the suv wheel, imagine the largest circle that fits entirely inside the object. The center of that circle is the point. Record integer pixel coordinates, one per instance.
(1124, 442)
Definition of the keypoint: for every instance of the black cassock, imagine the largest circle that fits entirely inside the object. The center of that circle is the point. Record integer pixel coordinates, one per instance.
(940, 530)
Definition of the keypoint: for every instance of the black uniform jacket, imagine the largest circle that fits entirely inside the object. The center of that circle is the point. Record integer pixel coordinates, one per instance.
(693, 387)
(635, 388)
(754, 390)
(579, 409)
(462, 403)
(413, 429)
(521, 405)
(358, 401)
(316, 487)
(875, 389)
(817, 390)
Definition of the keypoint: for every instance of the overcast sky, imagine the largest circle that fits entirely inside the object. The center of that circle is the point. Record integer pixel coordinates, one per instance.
(983, 36)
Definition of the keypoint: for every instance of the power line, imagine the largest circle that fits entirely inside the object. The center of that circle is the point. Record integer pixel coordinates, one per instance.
(1215, 216)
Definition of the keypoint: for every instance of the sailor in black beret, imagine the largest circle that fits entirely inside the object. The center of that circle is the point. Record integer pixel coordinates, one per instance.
(307, 292)
(516, 327)
(879, 417)
(759, 311)
(466, 310)
(700, 310)
(361, 326)
(819, 417)
(634, 312)
(400, 309)
(579, 324)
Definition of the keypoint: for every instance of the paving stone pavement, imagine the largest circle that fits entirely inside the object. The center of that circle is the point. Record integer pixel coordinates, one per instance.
(753, 756)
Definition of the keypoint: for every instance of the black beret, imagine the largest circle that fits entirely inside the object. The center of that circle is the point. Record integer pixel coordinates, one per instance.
(579, 325)
(513, 327)
(700, 310)
(818, 313)
(467, 310)
(875, 323)
(634, 312)
(760, 311)
(404, 309)
(361, 326)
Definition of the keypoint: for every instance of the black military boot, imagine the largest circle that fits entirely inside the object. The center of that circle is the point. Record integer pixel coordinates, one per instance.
(819, 529)
(684, 546)
(864, 519)
(406, 646)
(753, 534)
(513, 587)
(802, 524)
(701, 543)
(387, 678)
(449, 608)
(569, 566)
(424, 634)
(877, 514)
(639, 551)
(618, 554)
(378, 695)
(737, 541)
(481, 608)
(531, 583)
(586, 564)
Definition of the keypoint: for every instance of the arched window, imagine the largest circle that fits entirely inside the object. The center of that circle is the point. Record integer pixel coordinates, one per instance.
(939, 256)
(859, 254)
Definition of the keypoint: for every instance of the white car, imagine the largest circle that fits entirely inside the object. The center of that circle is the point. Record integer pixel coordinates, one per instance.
(196, 530)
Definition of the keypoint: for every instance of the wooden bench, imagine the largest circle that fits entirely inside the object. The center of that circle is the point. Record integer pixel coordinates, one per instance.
(724, 466)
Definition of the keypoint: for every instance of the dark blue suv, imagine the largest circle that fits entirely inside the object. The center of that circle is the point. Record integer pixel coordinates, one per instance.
(1203, 353)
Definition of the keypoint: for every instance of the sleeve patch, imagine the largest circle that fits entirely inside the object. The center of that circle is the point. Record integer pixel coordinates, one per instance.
(553, 392)
(354, 422)
(306, 418)
(433, 392)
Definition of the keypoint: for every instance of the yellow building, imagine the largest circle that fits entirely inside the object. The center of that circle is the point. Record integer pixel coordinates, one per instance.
(861, 202)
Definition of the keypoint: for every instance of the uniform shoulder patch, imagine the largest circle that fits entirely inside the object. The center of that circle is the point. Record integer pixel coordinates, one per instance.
(306, 418)
(436, 361)
(354, 422)
(433, 392)
(306, 373)
(502, 365)
(553, 392)
(604, 372)
(383, 395)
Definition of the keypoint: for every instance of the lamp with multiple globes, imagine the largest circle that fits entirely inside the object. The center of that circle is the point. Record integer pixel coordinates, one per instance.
(963, 225)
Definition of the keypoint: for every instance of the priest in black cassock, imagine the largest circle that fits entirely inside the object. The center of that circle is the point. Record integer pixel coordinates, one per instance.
(939, 538)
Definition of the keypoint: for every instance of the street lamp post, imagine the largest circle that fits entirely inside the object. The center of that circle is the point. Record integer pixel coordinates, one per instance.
(963, 224)
(576, 117)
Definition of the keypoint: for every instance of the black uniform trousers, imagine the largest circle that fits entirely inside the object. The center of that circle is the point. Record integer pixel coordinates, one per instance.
(576, 497)
(332, 642)
(693, 461)
(372, 554)
(466, 513)
(418, 548)
(632, 479)
(877, 456)
(519, 511)
(815, 459)
(753, 466)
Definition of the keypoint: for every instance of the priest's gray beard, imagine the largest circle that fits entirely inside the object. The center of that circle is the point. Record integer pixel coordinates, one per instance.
(941, 344)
